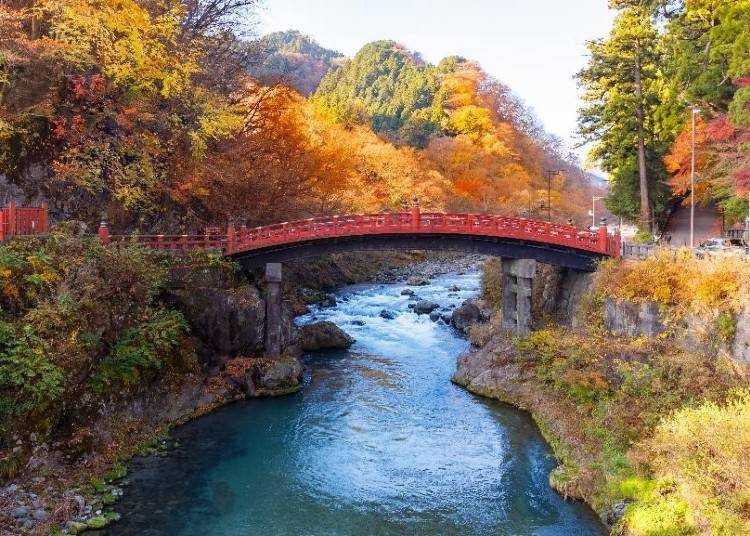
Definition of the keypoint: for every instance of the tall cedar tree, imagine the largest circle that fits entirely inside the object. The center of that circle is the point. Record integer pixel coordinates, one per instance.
(621, 98)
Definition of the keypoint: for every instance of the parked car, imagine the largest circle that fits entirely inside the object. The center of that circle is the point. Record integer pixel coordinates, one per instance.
(719, 246)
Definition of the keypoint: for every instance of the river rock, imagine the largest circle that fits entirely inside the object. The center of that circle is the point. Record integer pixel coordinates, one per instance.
(273, 377)
(323, 335)
(466, 315)
(407, 292)
(328, 302)
(228, 322)
(445, 317)
(417, 281)
(425, 307)
(20, 511)
(388, 315)
(40, 515)
(434, 316)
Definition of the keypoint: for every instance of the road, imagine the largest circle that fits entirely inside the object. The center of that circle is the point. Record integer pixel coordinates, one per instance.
(707, 224)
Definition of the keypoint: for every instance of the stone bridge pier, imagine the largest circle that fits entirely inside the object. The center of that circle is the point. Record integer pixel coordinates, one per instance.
(273, 310)
(518, 277)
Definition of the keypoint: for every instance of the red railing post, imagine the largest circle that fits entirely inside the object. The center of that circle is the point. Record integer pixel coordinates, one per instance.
(104, 233)
(416, 216)
(603, 238)
(43, 218)
(184, 242)
(11, 231)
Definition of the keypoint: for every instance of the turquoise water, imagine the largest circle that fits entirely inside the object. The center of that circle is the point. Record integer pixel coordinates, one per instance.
(379, 442)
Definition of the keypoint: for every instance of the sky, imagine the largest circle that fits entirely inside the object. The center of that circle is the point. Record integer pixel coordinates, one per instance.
(534, 46)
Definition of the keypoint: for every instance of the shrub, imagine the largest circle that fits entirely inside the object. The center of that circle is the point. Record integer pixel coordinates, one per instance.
(143, 349)
(29, 381)
(705, 452)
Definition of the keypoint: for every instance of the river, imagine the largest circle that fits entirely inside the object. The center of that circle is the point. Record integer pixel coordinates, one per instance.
(378, 442)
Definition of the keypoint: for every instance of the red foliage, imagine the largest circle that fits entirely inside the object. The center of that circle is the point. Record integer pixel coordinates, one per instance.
(720, 129)
(742, 180)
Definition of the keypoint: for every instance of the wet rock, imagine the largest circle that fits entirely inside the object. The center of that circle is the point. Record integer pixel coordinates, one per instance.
(40, 515)
(328, 302)
(227, 322)
(358, 322)
(434, 316)
(425, 307)
(411, 305)
(20, 511)
(388, 315)
(323, 335)
(273, 377)
(446, 318)
(455, 288)
(310, 296)
(417, 281)
(466, 315)
(407, 292)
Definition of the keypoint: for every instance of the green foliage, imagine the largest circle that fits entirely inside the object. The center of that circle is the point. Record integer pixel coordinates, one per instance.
(142, 350)
(616, 119)
(395, 89)
(74, 311)
(644, 237)
(29, 380)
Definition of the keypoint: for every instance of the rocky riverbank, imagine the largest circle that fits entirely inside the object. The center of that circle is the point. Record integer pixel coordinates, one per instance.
(651, 341)
(69, 483)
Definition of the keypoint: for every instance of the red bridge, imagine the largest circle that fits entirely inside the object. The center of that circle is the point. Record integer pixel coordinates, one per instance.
(513, 238)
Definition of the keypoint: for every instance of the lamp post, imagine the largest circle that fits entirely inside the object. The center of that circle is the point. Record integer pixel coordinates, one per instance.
(594, 199)
(550, 173)
(692, 179)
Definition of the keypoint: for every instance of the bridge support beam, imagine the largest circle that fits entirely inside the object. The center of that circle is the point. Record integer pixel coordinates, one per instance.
(273, 310)
(518, 275)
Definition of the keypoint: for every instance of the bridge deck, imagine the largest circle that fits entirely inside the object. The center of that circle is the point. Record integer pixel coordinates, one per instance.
(236, 241)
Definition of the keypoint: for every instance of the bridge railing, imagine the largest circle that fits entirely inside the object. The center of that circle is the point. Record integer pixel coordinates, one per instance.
(246, 239)
(21, 221)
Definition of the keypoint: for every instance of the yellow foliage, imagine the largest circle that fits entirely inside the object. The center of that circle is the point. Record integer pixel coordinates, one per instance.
(705, 452)
(680, 280)
(133, 47)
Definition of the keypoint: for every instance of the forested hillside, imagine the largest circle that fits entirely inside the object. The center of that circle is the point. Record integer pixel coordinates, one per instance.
(292, 58)
(149, 113)
(661, 60)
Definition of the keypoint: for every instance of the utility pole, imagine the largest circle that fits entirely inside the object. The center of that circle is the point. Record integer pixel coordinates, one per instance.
(692, 181)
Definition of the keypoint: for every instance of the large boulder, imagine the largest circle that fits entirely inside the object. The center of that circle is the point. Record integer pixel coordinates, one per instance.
(324, 335)
(465, 316)
(417, 281)
(273, 377)
(228, 322)
(628, 319)
(425, 307)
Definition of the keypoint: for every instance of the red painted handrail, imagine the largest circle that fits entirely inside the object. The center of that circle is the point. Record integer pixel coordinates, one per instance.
(22, 221)
(243, 239)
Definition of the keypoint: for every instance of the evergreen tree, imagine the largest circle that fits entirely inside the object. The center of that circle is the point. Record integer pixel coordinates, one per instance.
(619, 116)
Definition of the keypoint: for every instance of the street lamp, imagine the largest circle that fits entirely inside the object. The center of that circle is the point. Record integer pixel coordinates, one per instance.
(594, 199)
(694, 111)
(550, 173)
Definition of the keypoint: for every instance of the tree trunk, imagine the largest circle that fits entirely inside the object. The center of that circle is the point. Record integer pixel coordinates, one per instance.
(642, 173)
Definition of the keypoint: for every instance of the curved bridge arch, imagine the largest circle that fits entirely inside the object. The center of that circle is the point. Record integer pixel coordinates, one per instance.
(514, 238)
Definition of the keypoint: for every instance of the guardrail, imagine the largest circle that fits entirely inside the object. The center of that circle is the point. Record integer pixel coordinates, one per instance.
(639, 251)
(21, 221)
(236, 240)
